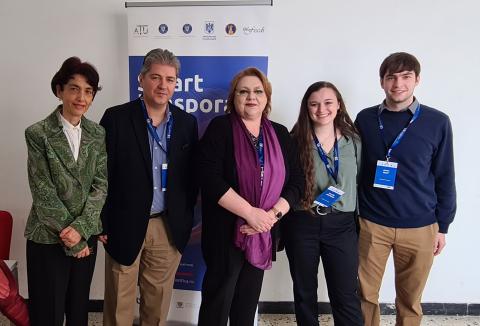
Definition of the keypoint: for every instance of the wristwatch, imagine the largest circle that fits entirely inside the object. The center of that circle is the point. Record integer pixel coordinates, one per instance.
(278, 214)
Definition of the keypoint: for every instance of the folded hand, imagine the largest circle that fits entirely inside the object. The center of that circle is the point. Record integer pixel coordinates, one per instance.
(70, 236)
(82, 253)
(260, 220)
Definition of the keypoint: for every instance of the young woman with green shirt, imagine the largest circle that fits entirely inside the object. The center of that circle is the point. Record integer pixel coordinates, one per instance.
(324, 225)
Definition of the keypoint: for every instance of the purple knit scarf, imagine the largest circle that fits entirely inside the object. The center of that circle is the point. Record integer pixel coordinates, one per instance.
(258, 247)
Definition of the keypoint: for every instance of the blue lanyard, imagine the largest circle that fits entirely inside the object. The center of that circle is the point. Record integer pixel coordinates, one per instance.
(261, 156)
(153, 131)
(400, 135)
(336, 159)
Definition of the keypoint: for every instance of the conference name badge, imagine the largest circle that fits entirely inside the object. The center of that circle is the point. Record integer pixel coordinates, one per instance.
(329, 197)
(385, 175)
(164, 176)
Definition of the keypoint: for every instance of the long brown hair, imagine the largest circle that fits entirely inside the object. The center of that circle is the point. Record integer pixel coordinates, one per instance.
(302, 134)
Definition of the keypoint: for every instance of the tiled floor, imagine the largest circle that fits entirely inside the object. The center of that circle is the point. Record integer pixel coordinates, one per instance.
(325, 320)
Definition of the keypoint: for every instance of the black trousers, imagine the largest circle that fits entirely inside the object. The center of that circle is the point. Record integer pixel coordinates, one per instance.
(332, 238)
(230, 292)
(58, 285)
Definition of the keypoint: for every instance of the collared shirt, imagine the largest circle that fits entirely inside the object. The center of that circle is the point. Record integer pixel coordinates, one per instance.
(347, 173)
(159, 156)
(73, 134)
(412, 107)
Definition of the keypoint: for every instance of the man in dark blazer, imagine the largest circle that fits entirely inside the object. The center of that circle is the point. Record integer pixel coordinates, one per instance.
(148, 214)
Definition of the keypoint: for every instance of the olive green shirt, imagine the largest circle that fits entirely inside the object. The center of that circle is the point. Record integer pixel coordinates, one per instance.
(65, 192)
(349, 166)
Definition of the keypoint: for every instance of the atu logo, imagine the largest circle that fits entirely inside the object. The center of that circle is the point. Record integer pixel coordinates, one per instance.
(140, 30)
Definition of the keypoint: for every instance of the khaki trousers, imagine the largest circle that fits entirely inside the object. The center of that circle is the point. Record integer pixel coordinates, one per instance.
(413, 258)
(154, 272)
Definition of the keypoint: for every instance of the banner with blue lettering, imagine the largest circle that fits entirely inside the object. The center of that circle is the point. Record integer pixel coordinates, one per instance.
(213, 43)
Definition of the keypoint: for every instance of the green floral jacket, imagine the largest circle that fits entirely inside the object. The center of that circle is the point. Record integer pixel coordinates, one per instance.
(65, 192)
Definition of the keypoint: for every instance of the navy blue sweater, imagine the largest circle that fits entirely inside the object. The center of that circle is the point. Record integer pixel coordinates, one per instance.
(425, 184)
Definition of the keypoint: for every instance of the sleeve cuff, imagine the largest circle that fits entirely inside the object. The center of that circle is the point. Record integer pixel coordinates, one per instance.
(75, 249)
(81, 230)
(218, 192)
(443, 227)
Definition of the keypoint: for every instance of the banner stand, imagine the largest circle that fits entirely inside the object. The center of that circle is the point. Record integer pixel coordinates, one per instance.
(213, 40)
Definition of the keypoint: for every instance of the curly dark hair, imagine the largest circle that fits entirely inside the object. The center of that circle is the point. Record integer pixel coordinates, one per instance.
(73, 66)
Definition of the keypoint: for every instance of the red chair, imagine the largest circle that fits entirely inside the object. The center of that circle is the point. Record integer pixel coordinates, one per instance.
(12, 304)
(6, 226)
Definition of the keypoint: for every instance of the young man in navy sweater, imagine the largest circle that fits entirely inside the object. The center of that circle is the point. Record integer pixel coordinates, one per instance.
(407, 190)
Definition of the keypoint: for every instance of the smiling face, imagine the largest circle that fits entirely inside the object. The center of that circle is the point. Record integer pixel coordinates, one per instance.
(250, 98)
(323, 106)
(76, 96)
(399, 88)
(158, 85)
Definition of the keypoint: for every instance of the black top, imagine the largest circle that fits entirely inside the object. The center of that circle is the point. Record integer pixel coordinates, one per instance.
(218, 173)
(130, 183)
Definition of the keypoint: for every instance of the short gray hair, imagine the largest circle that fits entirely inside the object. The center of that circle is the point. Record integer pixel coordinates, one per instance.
(160, 56)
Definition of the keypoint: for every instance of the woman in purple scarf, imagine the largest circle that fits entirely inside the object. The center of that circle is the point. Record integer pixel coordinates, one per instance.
(250, 177)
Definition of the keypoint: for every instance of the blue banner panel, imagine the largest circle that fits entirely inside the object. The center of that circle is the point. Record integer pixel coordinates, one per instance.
(202, 90)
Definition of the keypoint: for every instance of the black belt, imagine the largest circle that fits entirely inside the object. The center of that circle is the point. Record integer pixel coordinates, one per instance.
(320, 210)
(162, 213)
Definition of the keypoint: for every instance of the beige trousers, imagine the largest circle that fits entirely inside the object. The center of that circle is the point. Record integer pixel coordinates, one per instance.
(413, 257)
(154, 272)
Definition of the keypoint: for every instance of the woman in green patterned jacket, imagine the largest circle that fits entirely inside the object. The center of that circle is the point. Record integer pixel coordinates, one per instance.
(67, 172)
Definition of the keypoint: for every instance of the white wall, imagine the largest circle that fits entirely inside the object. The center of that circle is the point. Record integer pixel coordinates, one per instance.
(340, 41)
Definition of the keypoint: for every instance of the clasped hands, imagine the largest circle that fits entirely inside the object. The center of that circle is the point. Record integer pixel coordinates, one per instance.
(258, 221)
(70, 237)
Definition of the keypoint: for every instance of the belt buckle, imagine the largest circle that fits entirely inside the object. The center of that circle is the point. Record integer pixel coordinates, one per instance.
(159, 214)
(321, 210)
